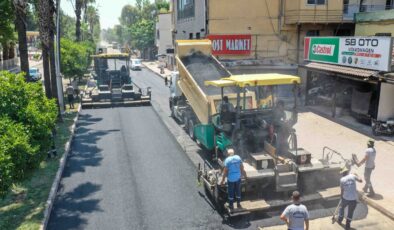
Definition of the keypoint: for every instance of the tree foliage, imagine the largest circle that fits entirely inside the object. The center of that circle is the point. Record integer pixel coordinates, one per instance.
(143, 34)
(27, 118)
(75, 57)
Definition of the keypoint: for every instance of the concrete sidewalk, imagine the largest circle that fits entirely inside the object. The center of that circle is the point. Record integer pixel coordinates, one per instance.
(315, 132)
(154, 66)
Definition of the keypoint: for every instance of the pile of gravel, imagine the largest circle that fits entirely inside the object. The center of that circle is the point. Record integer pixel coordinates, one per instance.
(205, 68)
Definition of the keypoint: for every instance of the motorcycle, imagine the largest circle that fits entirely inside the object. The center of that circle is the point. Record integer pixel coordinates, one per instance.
(383, 127)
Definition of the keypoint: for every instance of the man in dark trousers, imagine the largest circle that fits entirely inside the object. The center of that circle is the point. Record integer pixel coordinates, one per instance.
(369, 160)
(296, 214)
(233, 170)
(348, 195)
(70, 95)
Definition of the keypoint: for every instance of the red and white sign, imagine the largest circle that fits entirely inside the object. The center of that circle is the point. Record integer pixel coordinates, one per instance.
(239, 44)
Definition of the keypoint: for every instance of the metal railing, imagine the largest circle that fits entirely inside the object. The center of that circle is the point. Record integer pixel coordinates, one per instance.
(313, 16)
(9, 64)
(316, 15)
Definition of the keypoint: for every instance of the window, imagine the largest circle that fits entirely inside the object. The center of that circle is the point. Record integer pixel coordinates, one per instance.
(191, 36)
(185, 9)
(316, 2)
(313, 33)
(198, 35)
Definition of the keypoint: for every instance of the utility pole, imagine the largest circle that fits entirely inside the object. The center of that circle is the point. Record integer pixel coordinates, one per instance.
(60, 94)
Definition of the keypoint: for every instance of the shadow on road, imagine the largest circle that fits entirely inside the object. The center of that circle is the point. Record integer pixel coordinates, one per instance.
(71, 205)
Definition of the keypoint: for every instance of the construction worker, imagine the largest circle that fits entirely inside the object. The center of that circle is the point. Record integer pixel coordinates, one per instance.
(369, 160)
(226, 110)
(296, 214)
(70, 95)
(348, 195)
(233, 170)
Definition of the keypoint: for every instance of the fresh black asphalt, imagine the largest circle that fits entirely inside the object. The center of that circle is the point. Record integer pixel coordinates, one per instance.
(126, 171)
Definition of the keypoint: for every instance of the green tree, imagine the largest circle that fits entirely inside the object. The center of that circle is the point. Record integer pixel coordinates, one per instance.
(67, 28)
(143, 33)
(6, 27)
(93, 20)
(75, 57)
(27, 119)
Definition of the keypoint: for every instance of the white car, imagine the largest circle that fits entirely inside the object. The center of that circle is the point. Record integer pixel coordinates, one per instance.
(136, 64)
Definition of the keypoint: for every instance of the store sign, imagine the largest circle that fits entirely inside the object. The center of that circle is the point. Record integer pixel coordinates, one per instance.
(362, 52)
(231, 44)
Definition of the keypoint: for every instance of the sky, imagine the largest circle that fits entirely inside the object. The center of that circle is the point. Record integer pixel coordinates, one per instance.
(109, 10)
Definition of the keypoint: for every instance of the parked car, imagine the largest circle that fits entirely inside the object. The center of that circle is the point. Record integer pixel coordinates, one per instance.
(35, 74)
(136, 64)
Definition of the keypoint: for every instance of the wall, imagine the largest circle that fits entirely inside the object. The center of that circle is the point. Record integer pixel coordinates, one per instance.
(375, 22)
(273, 41)
(185, 26)
(386, 105)
(164, 26)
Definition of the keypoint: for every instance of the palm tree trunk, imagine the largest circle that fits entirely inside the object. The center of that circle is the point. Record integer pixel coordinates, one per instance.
(47, 73)
(78, 11)
(20, 24)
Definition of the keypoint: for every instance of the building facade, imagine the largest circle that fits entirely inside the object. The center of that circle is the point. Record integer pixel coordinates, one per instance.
(189, 19)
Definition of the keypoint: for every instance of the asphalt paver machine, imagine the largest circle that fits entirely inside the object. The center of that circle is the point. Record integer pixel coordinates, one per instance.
(112, 85)
(264, 137)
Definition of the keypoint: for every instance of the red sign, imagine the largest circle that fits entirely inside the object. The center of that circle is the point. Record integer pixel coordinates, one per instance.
(231, 44)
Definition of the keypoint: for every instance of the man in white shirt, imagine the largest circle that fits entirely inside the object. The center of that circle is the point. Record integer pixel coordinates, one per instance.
(296, 214)
(348, 196)
(369, 160)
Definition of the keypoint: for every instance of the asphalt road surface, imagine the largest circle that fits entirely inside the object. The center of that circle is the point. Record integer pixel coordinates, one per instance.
(126, 171)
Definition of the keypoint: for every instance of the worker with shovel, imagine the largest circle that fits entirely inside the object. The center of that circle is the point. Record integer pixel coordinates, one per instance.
(348, 195)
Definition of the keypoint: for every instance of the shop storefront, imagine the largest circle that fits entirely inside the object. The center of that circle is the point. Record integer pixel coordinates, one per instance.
(345, 77)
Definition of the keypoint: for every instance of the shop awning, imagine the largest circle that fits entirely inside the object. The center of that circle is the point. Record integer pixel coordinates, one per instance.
(355, 72)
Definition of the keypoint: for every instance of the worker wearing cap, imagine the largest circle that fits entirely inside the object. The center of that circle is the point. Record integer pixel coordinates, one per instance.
(296, 214)
(369, 160)
(233, 170)
(348, 195)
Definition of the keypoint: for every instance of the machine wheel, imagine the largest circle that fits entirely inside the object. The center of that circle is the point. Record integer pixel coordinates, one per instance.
(185, 120)
(190, 129)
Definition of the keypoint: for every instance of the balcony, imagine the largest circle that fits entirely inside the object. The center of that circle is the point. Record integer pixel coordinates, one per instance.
(313, 16)
(319, 15)
(350, 9)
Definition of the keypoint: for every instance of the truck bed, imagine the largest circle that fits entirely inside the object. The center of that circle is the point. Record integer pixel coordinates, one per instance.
(205, 68)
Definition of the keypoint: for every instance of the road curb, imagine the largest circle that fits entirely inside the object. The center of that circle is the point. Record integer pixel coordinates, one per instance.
(375, 205)
(59, 173)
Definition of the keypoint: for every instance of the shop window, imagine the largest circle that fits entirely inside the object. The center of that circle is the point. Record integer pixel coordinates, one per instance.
(313, 33)
(316, 2)
(198, 35)
(191, 36)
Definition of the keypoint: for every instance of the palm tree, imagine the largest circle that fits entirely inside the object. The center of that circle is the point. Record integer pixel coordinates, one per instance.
(20, 8)
(93, 19)
(46, 9)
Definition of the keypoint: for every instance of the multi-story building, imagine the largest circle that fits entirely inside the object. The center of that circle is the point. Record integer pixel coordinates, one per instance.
(164, 38)
(272, 30)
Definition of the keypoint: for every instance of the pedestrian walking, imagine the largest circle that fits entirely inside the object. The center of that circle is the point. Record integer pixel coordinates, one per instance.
(369, 160)
(233, 170)
(70, 95)
(296, 214)
(348, 196)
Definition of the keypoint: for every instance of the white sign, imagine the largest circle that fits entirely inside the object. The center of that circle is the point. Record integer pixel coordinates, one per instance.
(366, 52)
(327, 50)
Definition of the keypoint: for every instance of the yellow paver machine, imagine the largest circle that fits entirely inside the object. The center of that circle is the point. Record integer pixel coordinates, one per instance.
(259, 129)
(112, 84)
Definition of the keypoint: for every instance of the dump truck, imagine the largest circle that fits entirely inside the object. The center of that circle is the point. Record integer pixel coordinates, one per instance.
(259, 129)
(112, 85)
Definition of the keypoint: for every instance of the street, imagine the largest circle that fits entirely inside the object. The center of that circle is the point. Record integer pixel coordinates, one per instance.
(127, 171)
